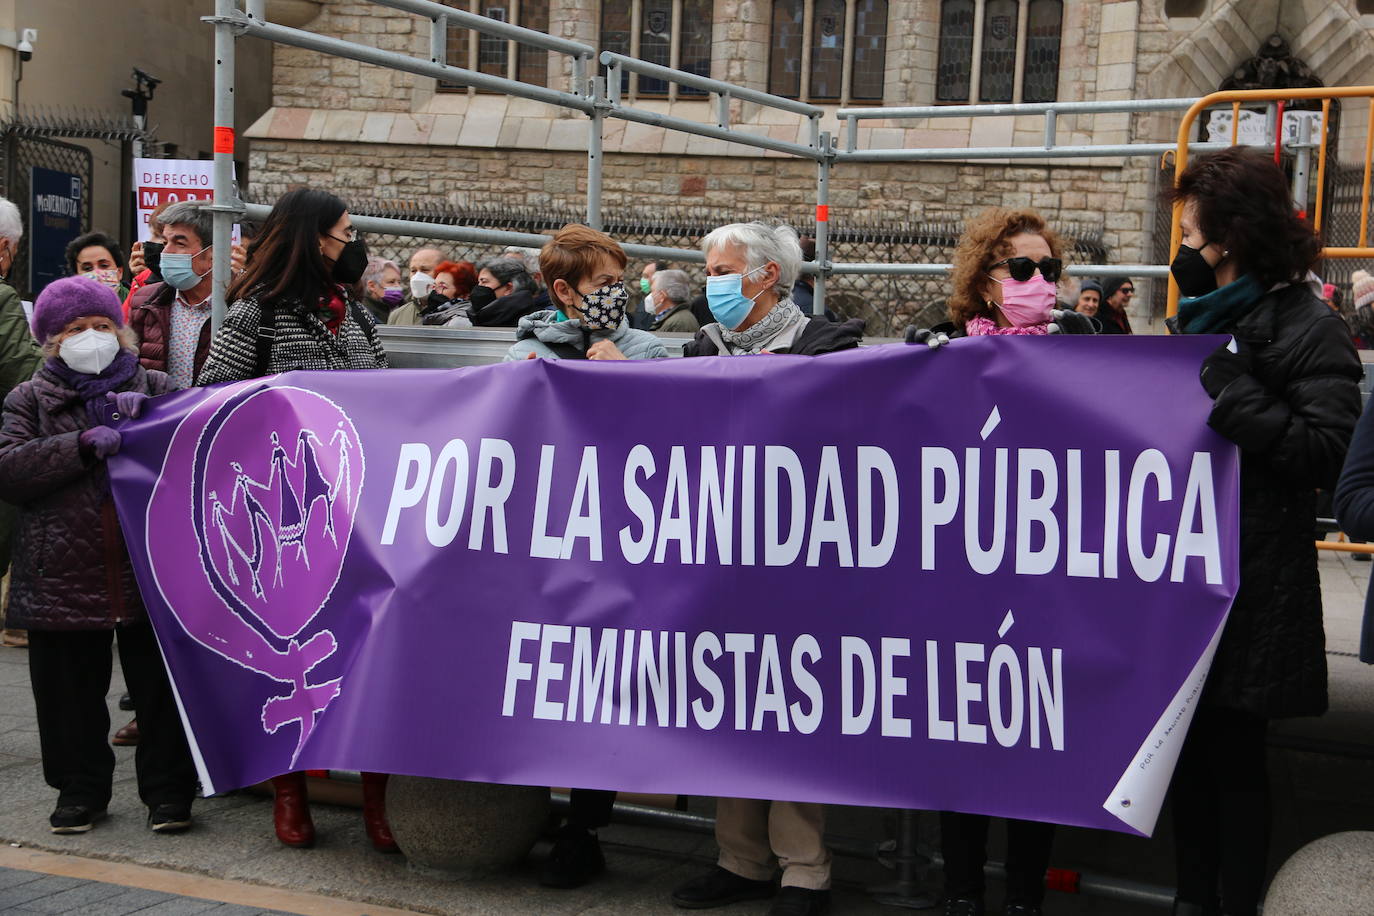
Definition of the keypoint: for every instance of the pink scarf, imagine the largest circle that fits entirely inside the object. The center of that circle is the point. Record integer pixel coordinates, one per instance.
(980, 326)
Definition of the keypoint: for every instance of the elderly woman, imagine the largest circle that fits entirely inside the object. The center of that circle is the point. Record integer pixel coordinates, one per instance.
(585, 270)
(750, 271)
(448, 305)
(73, 586)
(382, 288)
(1287, 393)
(670, 302)
(751, 268)
(504, 293)
(293, 309)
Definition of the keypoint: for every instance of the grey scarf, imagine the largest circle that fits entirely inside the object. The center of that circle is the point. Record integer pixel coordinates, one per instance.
(756, 335)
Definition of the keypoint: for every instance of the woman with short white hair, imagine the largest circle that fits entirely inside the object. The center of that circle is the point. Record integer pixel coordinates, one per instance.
(750, 271)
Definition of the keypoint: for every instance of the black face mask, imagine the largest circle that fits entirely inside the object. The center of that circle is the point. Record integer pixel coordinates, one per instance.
(351, 263)
(434, 301)
(152, 258)
(1195, 277)
(482, 296)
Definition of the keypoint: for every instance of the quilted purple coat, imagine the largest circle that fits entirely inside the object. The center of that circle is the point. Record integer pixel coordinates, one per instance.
(71, 569)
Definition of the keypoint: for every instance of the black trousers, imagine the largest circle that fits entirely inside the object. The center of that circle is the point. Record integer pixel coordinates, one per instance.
(964, 844)
(70, 672)
(590, 808)
(1220, 805)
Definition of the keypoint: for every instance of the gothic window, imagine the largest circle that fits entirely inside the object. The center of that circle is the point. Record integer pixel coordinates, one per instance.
(497, 56)
(670, 33)
(999, 50)
(841, 46)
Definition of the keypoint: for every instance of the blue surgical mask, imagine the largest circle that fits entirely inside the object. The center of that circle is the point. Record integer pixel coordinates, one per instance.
(725, 297)
(176, 270)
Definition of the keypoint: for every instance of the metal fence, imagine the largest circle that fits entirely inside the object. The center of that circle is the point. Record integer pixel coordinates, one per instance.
(887, 302)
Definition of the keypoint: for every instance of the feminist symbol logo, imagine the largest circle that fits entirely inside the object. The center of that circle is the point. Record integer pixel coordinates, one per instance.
(276, 478)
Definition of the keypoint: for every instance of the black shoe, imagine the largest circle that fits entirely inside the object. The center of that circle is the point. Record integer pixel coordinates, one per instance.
(800, 901)
(963, 906)
(1022, 909)
(575, 860)
(74, 818)
(719, 887)
(169, 817)
(126, 702)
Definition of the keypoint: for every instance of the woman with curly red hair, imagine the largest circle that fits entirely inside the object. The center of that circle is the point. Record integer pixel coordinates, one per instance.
(1004, 280)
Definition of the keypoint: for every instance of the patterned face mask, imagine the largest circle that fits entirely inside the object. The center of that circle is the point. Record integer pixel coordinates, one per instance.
(604, 309)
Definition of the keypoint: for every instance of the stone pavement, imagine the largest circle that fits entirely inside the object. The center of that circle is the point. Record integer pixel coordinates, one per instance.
(231, 862)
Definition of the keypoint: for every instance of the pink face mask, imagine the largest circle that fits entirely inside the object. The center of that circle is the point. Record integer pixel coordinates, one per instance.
(1027, 302)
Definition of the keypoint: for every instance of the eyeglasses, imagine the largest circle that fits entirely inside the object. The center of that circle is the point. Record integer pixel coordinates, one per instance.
(351, 235)
(1022, 269)
(1128, 290)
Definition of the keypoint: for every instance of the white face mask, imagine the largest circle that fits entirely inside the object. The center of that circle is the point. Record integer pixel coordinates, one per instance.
(90, 352)
(420, 285)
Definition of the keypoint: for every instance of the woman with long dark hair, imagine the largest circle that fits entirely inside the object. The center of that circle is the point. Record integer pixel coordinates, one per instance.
(1285, 391)
(295, 307)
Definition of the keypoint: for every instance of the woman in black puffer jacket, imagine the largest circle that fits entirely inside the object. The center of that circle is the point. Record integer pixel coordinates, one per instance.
(1288, 396)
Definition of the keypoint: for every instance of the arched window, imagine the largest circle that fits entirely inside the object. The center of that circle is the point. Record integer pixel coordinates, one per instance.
(670, 33)
(1013, 57)
(840, 45)
(497, 56)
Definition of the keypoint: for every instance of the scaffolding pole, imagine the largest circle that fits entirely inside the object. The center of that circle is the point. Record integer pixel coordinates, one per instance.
(225, 198)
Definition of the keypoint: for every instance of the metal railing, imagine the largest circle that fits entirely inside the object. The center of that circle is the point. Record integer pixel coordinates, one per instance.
(1274, 100)
(598, 97)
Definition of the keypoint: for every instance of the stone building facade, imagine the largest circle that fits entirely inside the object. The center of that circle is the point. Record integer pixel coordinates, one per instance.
(371, 133)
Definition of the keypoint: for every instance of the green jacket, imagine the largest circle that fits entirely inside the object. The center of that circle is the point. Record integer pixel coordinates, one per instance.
(20, 358)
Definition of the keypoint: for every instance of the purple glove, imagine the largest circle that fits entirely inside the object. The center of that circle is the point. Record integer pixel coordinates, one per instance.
(127, 403)
(100, 441)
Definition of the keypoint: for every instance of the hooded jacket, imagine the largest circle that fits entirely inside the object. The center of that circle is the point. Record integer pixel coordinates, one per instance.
(71, 568)
(545, 336)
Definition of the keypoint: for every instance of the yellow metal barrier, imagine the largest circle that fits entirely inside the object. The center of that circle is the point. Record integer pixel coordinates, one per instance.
(1238, 98)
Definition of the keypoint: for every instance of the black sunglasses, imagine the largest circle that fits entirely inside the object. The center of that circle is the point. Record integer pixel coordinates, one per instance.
(1023, 269)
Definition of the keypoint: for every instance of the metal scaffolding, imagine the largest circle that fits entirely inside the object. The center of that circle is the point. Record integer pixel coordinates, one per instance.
(598, 97)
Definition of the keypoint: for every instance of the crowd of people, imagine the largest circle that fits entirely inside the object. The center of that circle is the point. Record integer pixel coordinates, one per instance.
(305, 295)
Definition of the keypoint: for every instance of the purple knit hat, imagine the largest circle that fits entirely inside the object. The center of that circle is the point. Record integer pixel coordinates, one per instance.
(63, 301)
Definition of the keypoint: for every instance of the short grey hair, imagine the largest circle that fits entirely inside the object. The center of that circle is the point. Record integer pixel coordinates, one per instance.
(190, 213)
(11, 226)
(674, 284)
(529, 255)
(508, 270)
(762, 244)
(375, 266)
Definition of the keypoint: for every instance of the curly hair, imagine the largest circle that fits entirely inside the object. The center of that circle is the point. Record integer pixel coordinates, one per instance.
(986, 240)
(1244, 204)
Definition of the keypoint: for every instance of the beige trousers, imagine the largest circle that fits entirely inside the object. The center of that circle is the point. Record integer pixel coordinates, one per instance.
(751, 833)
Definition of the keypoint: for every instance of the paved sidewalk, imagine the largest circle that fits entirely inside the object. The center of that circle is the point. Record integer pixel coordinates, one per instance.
(231, 858)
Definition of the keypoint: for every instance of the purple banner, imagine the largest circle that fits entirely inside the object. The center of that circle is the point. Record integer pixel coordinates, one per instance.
(987, 578)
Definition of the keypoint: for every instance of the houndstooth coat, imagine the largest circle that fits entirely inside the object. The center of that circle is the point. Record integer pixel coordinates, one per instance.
(302, 341)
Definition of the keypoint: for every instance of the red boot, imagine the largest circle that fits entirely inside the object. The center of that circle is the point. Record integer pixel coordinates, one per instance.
(291, 811)
(374, 813)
